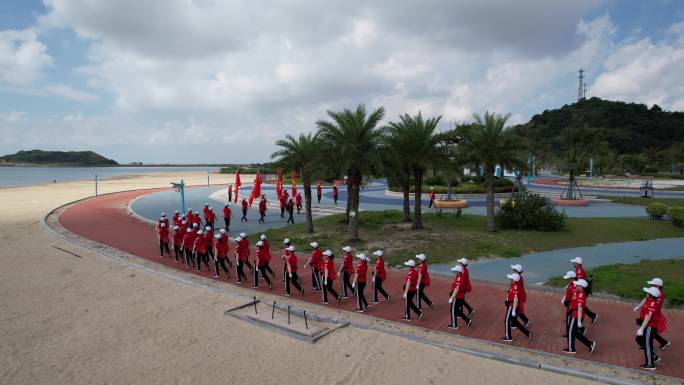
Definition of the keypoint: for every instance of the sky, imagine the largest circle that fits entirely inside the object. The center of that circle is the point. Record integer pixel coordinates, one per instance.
(219, 81)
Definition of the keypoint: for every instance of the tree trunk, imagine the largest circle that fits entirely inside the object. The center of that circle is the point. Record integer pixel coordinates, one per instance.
(417, 205)
(353, 206)
(307, 205)
(349, 194)
(405, 189)
(489, 183)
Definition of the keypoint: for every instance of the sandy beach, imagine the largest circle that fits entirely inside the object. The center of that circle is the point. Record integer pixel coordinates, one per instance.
(85, 319)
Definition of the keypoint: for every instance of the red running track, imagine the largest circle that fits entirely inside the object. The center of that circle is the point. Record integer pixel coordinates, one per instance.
(105, 219)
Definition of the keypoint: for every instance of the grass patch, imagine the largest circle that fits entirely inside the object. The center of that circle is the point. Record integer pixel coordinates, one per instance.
(448, 237)
(627, 280)
(643, 201)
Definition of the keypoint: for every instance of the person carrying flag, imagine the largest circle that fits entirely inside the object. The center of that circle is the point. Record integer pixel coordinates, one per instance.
(379, 276)
(346, 271)
(328, 274)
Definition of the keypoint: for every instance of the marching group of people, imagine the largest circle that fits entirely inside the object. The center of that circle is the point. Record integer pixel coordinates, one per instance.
(195, 243)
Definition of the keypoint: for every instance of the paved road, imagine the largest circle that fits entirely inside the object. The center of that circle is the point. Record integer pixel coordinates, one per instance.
(105, 219)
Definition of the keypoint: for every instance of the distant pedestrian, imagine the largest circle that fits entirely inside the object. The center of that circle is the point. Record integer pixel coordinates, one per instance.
(469, 287)
(226, 216)
(210, 218)
(290, 211)
(319, 192)
(335, 193)
(581, 274)
(359, 282)
(298, 202)
(346, 271)
(230, 193)
(262, 209)
(291, 276)
(245, 206)
(432, 197)
(577, 306)
(328, 276)
(457, 297)
(649, 318)
(513, 306)
(163, 235)
(283, 203)
(423, 283)
(410, 286)
(379, 276)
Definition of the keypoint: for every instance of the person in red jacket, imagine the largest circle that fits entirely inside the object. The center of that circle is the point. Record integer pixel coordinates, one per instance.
(359, 282)
(205, 211)
(458, 290)
(230, 193)
(283, 203)
(190, 217)
(291, 272)
(513, 306)
(662, 325)
(518, 269)
(568, 296)
(245, 206)
(176, 218)
(649, 319)
(289, 206)
(577, 305)
(335, 193)
(183, 227)
(469, 287)
(328, 276)
(211, 217)
(227, 214)
(315, 262)
(163, 234)
(177, 242)
(261, 261)
(209, 240)
(286, 253)
(379, 276)
(200, 250)
(346, 271)
(241, 257)
(220, 255)
(262, 209)
(432, 197)
(198, 219)
(188, 242)
(298, 202)
(319, 192)
(410, 287)
(267, 253)
(581, 274)
(423, 283)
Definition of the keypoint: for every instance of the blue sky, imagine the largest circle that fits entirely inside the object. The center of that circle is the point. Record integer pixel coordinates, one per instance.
(158, 80)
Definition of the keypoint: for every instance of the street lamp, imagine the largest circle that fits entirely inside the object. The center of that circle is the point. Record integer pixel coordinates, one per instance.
(180, 187)
(96, 183)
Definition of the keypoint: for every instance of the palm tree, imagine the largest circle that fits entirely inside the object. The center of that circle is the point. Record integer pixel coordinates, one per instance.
(417, 141)
(397, 170)
(301, 155)
(490, 143)
(353, 136)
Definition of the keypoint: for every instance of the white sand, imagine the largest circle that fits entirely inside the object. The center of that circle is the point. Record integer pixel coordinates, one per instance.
(89, 320)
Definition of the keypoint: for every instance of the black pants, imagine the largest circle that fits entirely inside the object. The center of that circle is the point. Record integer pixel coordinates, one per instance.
(335, 198)
(238, 268)
(282, 211)
(523, 318)
(575, 332)
(164, 246)
(210, 251)
(509, 321)
(220, 262)
(177, 252)
(421, 296)
(467, 306)
(662, 341)
(290, 219)
(230, 197)
(346, 284)
(328, 288)
(261, 269)
(646, 343)
(244, 215)
(299, 209)
(361, 302)
(189, 258)
(316, 279)
(261, 216)
(589, 313)
(284, 271)
(377, 287)
(457, 311)
(267, 268)
(432, 202)
(294, 280)
(202, 257)
(319, 198)
(227, 222)
(409, 305)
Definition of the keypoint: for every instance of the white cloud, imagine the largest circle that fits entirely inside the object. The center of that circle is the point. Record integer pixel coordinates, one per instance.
(70, 93)
(13, 116)
(22, 57)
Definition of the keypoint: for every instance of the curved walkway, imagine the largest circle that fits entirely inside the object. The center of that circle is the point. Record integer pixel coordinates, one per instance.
(106, 220)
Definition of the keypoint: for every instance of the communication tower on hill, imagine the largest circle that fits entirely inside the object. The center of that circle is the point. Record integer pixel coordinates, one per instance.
(582, 89)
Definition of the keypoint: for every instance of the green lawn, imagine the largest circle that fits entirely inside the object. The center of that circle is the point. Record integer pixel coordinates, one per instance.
(448, 237)
(643, 201)
(628, 280)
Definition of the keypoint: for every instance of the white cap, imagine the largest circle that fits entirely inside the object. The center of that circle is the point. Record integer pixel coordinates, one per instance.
(347, 249)
(656, 282)
(517, 267)
(188, 231)
(223, 231)
(378, 253)
(581, 282)
(184, 222)
(175, 211)
(328, 253)
(210, 208)
(243, 235)
(163, 225)
(458, 268)
(196, 212)
(190, 210)
(176, 227)
(206, 203)
(238, 239)
(195, 224)
(514, 276)
(290, 248)
(410, 262)
(217, 236)
(207, 228)
(654, 291)
(314, 244)
(259, 243)
(163, 214)
(570, 274)
(200, 232)
(463, 261)
(286, 240)
(421, 257)
(362, 256)
(577, 260)
(263, 237)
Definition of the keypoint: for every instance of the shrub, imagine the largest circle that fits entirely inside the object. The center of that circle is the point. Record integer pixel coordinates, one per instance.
(676, 215)
(434, 180)
(656, 210)
(530, 212)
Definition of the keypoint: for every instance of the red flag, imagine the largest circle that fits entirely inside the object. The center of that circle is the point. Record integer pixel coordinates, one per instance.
(256, 190)
(279, 185)
(294, 183)
(237, 184)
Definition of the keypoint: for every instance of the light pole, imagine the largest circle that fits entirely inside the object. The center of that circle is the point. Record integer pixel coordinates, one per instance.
(96, 183)
(180, 187)
(208, 179)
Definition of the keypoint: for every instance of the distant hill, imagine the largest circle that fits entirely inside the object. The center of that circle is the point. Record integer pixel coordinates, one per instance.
(68, 158)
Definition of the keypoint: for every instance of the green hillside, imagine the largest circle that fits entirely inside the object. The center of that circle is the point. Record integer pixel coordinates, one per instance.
(70, 158)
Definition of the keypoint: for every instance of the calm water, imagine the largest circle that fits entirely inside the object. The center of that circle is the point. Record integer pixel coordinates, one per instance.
(29, 176)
